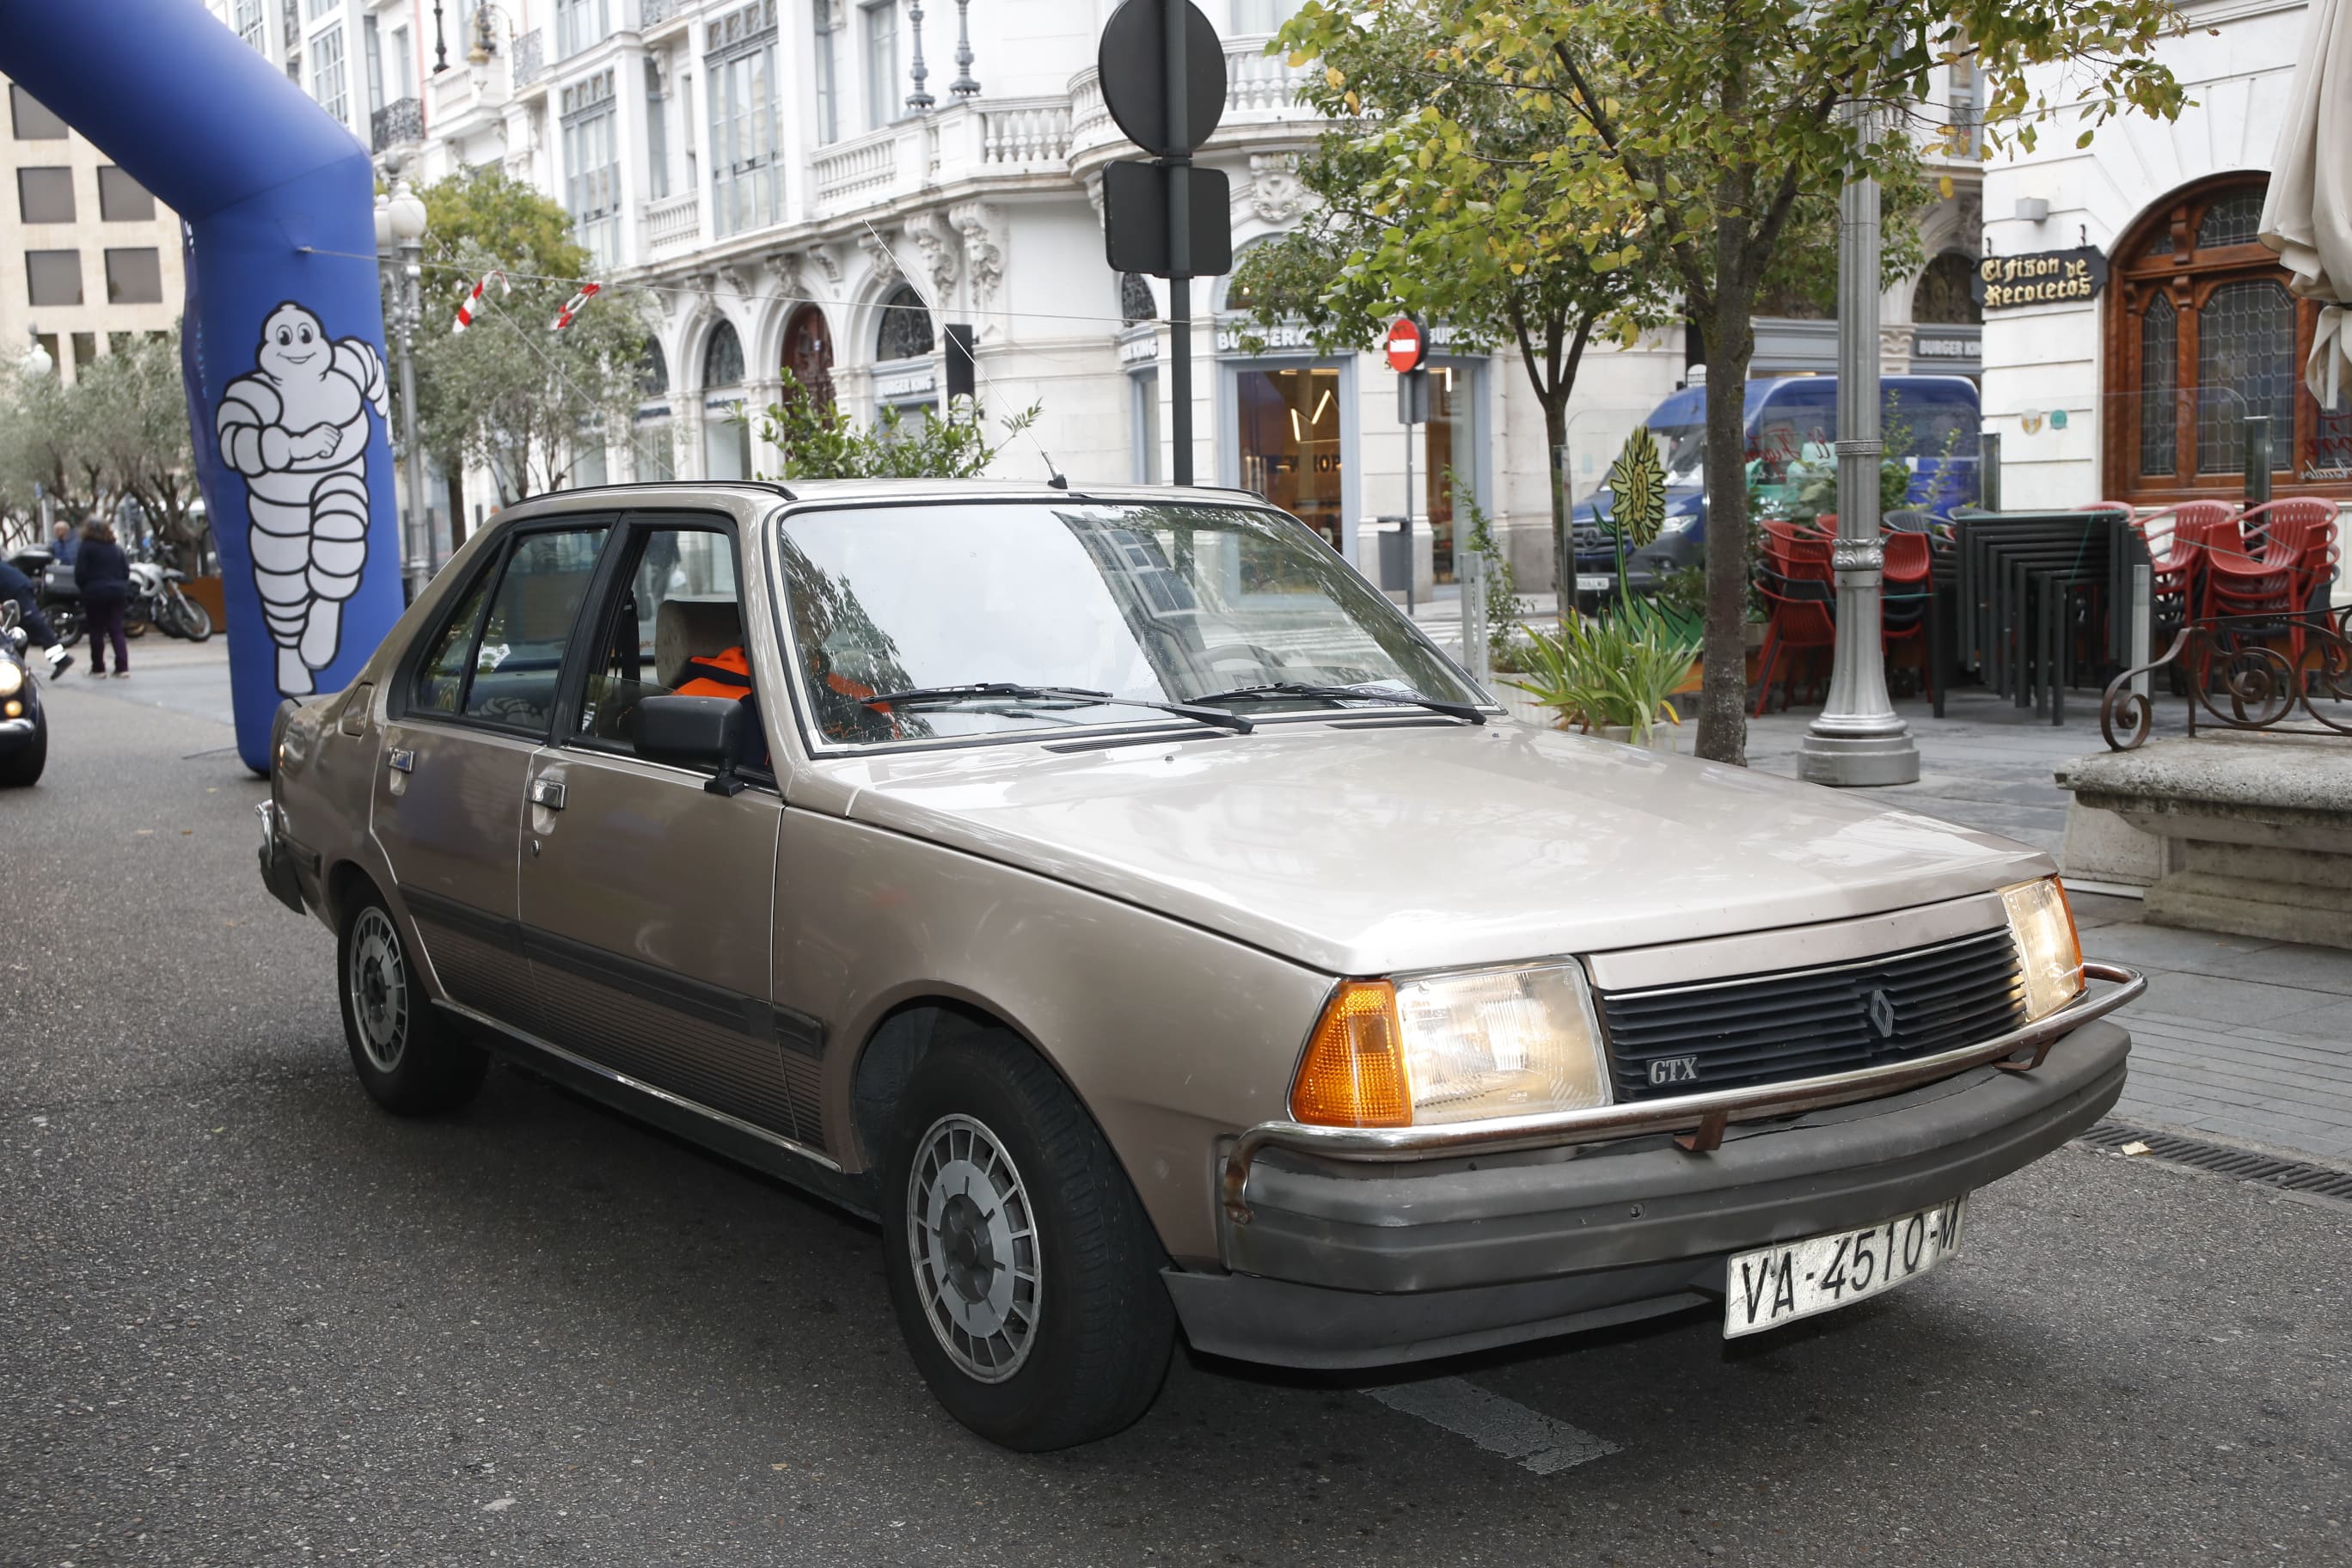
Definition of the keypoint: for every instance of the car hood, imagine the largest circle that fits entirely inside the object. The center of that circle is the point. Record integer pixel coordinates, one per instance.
(1377, 850)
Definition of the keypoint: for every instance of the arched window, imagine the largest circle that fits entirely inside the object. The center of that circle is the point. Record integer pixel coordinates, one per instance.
(1135, 301)
(808, 355)
(1943, 296)
(722, 358)
(905, 329)
(2201, 336)
(653, 370)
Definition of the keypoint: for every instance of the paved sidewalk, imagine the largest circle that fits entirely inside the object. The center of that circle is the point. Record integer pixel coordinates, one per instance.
(2238, 1039)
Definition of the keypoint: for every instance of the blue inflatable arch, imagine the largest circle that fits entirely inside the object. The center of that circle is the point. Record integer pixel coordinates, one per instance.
(283, 341)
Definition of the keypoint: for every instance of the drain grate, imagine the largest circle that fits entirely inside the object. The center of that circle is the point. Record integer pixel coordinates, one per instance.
(2241, 1164)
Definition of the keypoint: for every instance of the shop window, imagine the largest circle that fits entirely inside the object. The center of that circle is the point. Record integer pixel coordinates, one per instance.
(2202, 335)
(1449, 478)
(1143, 388)
(1289, 442)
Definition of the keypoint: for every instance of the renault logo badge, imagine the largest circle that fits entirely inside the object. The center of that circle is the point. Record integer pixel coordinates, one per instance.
(1880, 1010)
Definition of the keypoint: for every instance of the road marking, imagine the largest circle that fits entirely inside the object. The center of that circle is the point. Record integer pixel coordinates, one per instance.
(1496, 1423)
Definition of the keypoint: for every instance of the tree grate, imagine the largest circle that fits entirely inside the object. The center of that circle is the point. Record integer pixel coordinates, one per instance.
(2239, 1165)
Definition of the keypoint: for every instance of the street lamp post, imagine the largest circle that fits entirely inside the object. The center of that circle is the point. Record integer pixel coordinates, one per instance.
(400, 223)
(1858, 738)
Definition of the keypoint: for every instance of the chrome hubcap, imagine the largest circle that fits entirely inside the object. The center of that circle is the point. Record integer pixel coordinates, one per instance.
(973, 1242)
(379, 985)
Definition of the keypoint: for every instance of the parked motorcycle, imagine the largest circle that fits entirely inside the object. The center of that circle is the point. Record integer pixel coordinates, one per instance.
(53, 590)
(24, 726)
(157, 600)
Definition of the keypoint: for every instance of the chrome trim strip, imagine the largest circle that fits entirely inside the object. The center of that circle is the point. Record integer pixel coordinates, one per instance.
(638, 1086)
(1599, 1123)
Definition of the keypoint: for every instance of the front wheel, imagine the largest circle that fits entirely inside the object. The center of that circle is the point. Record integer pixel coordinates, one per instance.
(409, 1060)
(23, 767)
(195, 620)
(1024, 1272)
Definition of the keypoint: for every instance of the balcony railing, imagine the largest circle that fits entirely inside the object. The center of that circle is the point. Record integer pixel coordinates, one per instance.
(854, 174)
(672, 225)
(652, 14)
(1258, 87)
(1015, 132)
(529, 57)
(398, 123)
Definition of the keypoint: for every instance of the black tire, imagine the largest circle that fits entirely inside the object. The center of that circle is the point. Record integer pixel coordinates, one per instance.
(66, 621)
(195, 620)
(1100, 1327)
(409, 1059)
(20, 770)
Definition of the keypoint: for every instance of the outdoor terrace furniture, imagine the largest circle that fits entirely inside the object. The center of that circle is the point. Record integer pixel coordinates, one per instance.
(2038, 593)
(1797, 583)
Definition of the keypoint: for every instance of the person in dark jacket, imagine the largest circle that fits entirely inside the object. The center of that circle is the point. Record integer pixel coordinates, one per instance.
(15, 585)
(102, 572)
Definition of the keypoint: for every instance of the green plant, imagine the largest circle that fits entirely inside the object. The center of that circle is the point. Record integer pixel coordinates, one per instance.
(1616, 671)
(820, 442)
(1500, 582)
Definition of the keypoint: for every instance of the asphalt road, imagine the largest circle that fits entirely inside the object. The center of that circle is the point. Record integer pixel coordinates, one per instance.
(247, 1319)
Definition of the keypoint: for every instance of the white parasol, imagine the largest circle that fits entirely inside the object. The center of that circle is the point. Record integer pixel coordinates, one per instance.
(2307, 215)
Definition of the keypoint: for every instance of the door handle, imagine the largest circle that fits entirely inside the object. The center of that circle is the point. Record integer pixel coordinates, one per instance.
(402, 759)
(547, 793)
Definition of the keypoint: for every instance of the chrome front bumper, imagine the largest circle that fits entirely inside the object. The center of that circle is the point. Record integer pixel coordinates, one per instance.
(1697, 1120)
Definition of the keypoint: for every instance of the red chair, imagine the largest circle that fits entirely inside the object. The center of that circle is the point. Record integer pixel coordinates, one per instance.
(1796, 580)
(2298, 534)
(2176, 564)
(1909, 583)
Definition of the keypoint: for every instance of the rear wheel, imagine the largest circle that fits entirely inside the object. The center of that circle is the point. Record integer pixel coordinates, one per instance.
(1024, 1272)
(195, 620)
(409, 1059)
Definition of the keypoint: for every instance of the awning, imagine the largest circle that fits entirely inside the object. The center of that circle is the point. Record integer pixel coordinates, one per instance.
(2307, 215)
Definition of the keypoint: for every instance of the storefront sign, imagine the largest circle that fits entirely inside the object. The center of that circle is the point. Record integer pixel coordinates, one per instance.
(915, 382)
(2046, 277)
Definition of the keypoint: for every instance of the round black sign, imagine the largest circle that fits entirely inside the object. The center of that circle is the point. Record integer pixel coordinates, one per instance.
(1133, 60)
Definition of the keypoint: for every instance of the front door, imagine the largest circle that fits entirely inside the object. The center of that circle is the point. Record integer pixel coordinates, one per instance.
(448, 808)
(646, 899)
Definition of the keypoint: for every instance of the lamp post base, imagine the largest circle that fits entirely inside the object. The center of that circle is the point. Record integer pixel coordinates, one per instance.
(1851, 762)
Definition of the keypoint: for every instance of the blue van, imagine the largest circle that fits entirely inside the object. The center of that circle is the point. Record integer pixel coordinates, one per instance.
(1930, 423)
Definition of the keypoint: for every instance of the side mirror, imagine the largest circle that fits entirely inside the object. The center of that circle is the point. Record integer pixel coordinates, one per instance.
(695, 733)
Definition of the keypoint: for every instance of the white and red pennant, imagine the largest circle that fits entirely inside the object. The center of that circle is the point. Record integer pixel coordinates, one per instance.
(468, 306)
(573, 306)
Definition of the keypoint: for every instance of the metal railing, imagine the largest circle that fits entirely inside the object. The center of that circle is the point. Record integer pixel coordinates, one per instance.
(2246, 672)
(529, 57)
(398, 123)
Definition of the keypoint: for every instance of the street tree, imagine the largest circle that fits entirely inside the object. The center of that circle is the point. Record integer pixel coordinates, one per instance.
(1700, 128)
(134, 423)
(1465, 242)
(821, 442)
(510, 395)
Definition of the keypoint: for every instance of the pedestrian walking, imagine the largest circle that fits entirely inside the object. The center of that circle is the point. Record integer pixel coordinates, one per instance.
(15, 585)
(102, 572)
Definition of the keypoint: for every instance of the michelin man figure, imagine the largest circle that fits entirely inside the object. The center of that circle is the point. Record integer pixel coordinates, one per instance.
(296, 429)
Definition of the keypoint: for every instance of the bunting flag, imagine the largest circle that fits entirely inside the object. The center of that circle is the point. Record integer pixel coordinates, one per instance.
(573, 306)
(474, 297)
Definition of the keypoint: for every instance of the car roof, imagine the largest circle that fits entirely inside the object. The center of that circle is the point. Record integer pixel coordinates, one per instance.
(837, 491)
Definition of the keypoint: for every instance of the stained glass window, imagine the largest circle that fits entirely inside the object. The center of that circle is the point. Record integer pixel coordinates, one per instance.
(722, 361)
(2234, 220)
(905, 327)
(2245, 366)
(2160, 341)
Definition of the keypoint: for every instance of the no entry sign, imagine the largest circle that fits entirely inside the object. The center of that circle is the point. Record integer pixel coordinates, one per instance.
(1406, 345)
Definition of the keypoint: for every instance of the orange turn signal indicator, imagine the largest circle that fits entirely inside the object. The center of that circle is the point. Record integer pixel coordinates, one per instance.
(1353, 1074)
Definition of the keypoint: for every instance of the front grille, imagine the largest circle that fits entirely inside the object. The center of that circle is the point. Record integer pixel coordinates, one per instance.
(1803, 1023)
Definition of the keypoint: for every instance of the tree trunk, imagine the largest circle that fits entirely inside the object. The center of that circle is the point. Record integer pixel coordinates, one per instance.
(456, 502)
(1728, 333)
(1555, 412)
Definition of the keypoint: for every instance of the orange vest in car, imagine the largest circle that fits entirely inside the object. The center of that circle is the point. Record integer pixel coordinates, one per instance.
(724, 674)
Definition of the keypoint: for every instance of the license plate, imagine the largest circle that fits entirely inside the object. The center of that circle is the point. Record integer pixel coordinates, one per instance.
(1779, 1284)
(1595, 581)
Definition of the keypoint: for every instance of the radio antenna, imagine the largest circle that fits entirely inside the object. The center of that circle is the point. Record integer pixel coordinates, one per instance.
(1054, 475)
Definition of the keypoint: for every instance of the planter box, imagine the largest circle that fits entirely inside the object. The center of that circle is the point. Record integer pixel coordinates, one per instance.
(207, 591)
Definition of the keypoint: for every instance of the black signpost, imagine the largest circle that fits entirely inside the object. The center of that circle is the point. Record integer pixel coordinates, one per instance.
(1163, 81)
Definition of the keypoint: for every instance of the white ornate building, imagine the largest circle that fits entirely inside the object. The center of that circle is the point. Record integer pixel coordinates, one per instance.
(790, 176)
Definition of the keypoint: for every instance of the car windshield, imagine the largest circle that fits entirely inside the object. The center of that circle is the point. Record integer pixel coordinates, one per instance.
(1152, 601)
(1682, 449)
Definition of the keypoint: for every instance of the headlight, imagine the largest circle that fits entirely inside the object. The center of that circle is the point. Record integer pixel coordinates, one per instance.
(2049, 953)
(1677, 522)
(12, 678)
(1452, 1047)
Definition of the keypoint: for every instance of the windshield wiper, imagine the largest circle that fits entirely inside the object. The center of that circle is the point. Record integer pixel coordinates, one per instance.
(1274, 691)
(977, 689)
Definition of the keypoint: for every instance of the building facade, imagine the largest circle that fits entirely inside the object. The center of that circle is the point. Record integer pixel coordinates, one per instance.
(2135, 325)
(88, 260)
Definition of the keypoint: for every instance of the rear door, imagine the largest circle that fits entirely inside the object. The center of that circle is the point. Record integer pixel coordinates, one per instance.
(647, 898)
(448, 795)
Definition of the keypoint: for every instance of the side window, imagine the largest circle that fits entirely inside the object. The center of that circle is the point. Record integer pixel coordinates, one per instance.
(441, 678)
(678, 627)
(519, 656)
